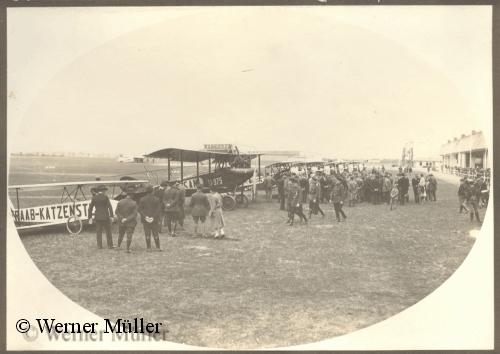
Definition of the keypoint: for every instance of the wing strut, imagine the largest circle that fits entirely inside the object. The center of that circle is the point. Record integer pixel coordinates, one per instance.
(209, 164)
(197, 169)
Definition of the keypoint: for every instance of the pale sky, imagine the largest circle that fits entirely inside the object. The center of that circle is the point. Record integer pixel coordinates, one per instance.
(347, 82)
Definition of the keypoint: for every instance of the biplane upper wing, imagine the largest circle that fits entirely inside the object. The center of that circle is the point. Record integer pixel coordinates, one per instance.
(193, 155)
(48, 186)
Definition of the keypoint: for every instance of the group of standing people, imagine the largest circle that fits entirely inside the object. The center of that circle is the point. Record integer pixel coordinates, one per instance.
(473, 193)
(163, 205)
(377, 187)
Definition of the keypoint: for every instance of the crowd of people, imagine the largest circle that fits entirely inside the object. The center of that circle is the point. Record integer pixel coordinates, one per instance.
(468, 172)
(376, 187)
(165, 205)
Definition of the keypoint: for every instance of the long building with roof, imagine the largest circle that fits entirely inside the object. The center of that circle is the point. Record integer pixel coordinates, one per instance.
(466, 151)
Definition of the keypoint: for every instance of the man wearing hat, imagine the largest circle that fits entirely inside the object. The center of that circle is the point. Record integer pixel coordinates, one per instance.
(473, 196)
(103, 215)
(338, 200)
(126, 212)
(286, 187)
(200, 205)
(160, 193)
(415, 182)
(432, 188)
(314, 198)
(404, 186)
(171, 202)
(324, 185)
(182, 200)
(295, 202)
(149, 208)
(281, 191)
(462, 194)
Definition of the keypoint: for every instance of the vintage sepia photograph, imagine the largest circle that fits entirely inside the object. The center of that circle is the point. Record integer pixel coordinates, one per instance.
(249, 177)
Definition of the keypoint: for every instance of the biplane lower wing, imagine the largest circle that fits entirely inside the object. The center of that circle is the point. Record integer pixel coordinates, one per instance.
(70, 205)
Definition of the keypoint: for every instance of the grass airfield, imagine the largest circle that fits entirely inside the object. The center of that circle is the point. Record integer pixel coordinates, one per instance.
(265, 285)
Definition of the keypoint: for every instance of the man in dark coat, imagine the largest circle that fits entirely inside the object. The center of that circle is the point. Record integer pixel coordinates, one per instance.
(171, 202)
(295, 207)
(103, 215)
(160, 193)
(404, 185)
(281, 191)
(126, 212)
(182, 200)
(200, 205)
(324, 188)
(338, 200)
(268, 186)
(462, 195)
(304, 185)
(368, 189)
(415, 181)
(473, 197)
(432, 188)
(149, 208)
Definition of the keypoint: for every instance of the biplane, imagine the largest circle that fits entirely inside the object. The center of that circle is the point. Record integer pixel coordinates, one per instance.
(341, 166)
(227, 171)
(277, 169)
(72, 209)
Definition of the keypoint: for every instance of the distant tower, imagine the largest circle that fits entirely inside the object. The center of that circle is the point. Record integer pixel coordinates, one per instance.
(407, 159)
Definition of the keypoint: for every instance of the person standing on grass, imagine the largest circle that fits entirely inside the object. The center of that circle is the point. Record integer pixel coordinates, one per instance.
(182, 201)
(268, 185)
(126, 212)
(296, 203)
(281, 191)
(352, 186)
(199, 203)
(149, 208)
(338, 200)
(361, 188)
(103, 216)
(388, 188)
(324, 187)
(286, 187)
(304, 185)
(421, 189)
(216, 217)
(171, 201)
(404, 186)
(462, 195)
(394, 195)
(314, 198)
(368, 189)
(160, 193)
(381, 189)
(415, 181)
(432, 188)
(473, 196)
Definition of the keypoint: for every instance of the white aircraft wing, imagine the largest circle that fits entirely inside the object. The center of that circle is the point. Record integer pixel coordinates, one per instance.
(48, 186)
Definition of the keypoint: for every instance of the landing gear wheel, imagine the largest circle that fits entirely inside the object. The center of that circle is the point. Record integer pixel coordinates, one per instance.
(241, 201)
(228, 202)
(74, 225)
